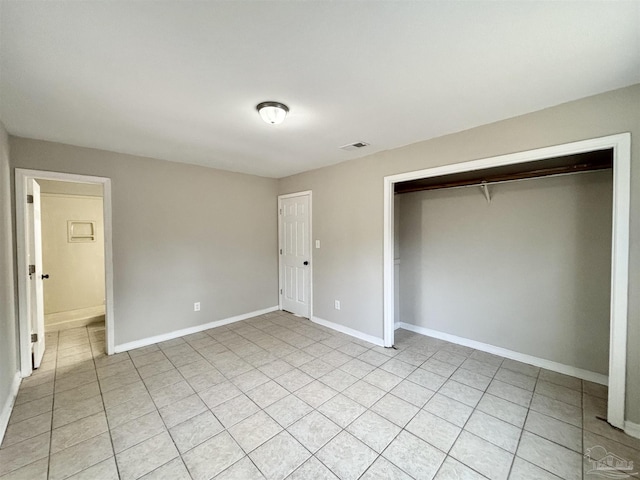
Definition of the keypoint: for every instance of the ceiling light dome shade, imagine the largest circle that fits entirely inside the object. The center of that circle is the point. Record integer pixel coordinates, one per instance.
(272, 112)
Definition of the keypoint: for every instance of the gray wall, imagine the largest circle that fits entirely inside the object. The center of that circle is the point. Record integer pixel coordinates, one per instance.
(8, 339)
(530, 271)
(181, 234)
(348, 206)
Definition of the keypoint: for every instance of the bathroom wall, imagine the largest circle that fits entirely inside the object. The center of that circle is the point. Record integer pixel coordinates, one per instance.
(75, 289)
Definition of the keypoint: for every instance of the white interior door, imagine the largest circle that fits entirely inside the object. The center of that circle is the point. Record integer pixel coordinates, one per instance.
(34, 266)
(295, 254)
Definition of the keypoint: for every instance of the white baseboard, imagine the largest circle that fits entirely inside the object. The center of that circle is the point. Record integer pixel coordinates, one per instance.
(8, 405)
(632, 429)
(503, 352)
(397, 325)
(70, 316)
(348, 331)
(188, 331)
(55, 327)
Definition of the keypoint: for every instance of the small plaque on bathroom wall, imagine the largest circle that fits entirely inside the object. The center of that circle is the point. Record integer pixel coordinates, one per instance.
(81, 231)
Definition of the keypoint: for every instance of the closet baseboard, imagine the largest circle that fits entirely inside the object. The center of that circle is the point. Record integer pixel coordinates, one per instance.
(504, 352)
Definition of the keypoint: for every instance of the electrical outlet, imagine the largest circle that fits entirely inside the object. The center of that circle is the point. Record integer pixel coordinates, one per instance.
(337, 305)
(196, 307)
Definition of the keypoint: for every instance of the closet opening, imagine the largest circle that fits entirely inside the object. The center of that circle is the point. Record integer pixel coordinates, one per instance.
(479, 270)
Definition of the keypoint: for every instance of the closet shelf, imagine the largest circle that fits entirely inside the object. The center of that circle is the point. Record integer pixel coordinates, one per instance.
(584, 162)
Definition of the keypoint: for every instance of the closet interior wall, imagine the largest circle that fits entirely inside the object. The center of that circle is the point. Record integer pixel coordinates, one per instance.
(529, 270)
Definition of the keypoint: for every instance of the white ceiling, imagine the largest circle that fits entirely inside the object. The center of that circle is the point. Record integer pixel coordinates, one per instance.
(180, 80)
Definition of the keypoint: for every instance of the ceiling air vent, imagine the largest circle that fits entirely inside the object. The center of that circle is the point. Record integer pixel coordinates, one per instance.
(354, 146)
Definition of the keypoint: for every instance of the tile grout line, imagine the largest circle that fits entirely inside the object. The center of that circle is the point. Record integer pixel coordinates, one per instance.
(212, 413)
(79, 419)
(582, 451)
(53, 402)
(285, 429)
(462, 429)
(522, 430)
(403, 429)
(485, 392)
(244, 339)
(104, 407)
(157, 411)
(228, 379)
(247, 454)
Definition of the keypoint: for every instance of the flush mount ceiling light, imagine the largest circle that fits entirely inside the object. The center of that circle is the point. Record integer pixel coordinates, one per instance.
(272, 112)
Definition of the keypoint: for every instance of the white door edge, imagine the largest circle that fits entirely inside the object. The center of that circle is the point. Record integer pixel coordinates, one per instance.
(621, 145)
(36, 283)
(22, 176)
(280, 285)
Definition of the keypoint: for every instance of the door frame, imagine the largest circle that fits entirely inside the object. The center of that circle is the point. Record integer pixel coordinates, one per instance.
(22, 176)
(621, 145)
(280, 285)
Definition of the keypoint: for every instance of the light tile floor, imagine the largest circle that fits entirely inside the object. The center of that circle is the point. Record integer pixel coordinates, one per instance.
(279, 397)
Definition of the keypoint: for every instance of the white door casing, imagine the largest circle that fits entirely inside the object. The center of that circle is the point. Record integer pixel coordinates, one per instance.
(621, 145)
(294, 214)
(35, 284)
(23, 179)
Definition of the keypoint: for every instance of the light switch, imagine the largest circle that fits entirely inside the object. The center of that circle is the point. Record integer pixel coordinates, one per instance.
(317, 243)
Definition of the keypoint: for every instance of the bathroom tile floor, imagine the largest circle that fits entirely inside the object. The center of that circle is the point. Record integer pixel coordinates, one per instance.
(277, 397)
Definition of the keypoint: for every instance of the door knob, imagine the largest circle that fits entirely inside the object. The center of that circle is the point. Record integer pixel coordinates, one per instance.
(45, 276)
(306, 263)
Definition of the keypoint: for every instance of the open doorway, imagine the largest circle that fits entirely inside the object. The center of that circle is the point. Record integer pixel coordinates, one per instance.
(620, 144)
(63, 230)
(72, 227)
